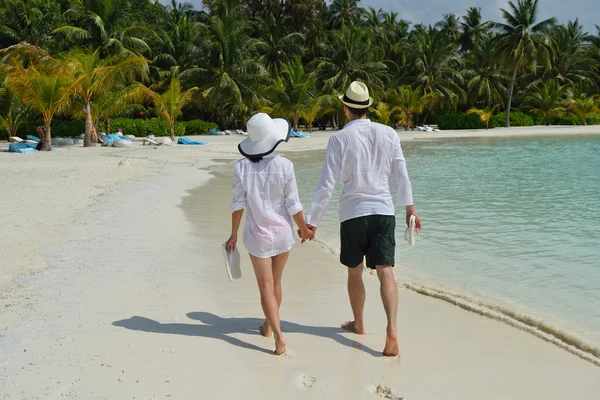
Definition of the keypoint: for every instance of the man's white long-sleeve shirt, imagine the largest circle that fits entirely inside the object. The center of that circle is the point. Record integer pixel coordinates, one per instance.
(364, 157)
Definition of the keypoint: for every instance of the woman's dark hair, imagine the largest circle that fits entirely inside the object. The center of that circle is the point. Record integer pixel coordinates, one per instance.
(359, 112)
(255, 159)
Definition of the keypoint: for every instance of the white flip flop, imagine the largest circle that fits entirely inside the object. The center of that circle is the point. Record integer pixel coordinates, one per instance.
(232, 263)
(411, 234)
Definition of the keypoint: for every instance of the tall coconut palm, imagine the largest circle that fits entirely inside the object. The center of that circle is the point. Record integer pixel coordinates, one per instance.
(486, 81)
(278, 45)
(473, 31)
(29, 21)
(231, 76)
(409, 102)
(94, 77)
(99, 23)
(450, 27)
(571, 60)
(294, 93)
(44, 88)
(351, 56)
(545, 100)
(373, 18)
(169, 105)
(179, 46)
(344, 12)
(522, 42)
(438, 68)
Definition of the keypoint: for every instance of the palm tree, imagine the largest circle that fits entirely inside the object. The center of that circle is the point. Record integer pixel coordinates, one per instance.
(545, 98)
(484, 114)
(351, 56)
(409, 102)
(485, 81)
(231, 76)
(571, 60)
(169, 105)
(279, 46)
(43, 87)
(584, 107)
(98, 24)
(450, 27)
(179, 46)
(473, 31)
(522, 43)
(29, 21)
(12, 112)
(95, 77)
(438, 67)
(345, 12)
(294, 93)
(384, 113)
(373, 18)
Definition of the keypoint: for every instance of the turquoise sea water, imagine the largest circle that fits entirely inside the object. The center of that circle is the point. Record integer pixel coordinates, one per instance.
(512, 221)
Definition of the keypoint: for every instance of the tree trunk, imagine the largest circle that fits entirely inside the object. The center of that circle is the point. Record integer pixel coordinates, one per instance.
(585, 121)
(548, 120)
(107, 126)
(408, 118)
(89, 127)
(510, 95)
(172, 125)
(47, 145)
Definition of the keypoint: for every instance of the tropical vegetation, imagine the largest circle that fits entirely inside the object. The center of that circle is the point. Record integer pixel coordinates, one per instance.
(98, 61)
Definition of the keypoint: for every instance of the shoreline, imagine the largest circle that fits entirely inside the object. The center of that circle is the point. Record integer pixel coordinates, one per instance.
(155, 277)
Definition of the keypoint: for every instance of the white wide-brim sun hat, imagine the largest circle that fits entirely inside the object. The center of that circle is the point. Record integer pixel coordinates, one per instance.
(357, 96)
(264, 135)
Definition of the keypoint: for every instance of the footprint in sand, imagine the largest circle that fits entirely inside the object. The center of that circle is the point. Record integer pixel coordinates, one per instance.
(306, 381)
(384, 391)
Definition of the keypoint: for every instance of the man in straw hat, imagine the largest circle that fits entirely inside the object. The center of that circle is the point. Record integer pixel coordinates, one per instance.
(364, 157)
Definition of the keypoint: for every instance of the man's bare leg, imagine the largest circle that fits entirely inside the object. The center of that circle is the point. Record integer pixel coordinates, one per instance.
(278, 264)
(389, 297)
(356, 292)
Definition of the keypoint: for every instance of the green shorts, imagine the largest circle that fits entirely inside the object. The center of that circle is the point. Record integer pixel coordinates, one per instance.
(371, 237)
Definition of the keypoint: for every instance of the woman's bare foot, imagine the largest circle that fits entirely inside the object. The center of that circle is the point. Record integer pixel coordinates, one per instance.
(351, 326)
(279, 346)
(391, 346)
(265, 330)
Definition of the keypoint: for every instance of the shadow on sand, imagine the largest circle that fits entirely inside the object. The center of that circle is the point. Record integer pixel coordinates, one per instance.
(220, 328)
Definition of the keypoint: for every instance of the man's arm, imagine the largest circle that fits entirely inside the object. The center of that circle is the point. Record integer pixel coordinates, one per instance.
(329, 177)
(403, 186)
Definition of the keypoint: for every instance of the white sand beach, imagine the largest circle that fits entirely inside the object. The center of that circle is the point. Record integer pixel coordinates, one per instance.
(112, 286)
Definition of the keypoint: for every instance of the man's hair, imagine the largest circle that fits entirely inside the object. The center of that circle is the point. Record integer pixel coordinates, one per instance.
(358, 112)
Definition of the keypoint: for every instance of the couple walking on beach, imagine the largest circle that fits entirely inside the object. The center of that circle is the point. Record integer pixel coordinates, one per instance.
(364, 157)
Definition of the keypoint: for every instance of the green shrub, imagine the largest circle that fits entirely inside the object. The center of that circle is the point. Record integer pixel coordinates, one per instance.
(516, 119)
(460, 121)
(141, 127)
(60, 127)
(199, 127)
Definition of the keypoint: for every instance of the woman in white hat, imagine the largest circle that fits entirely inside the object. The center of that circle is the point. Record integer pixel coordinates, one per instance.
(265, 184)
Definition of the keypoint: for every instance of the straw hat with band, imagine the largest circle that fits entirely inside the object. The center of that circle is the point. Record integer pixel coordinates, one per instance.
(264, 135)
(357, 96)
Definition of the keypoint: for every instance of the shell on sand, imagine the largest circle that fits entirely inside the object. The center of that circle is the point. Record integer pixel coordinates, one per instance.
(124, 163)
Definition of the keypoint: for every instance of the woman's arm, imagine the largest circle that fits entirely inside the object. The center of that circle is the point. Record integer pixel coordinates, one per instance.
(236, 219)
(303, 231)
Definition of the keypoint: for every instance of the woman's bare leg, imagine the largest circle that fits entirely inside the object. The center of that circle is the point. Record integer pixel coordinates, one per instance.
(278, 264)
(264, 278)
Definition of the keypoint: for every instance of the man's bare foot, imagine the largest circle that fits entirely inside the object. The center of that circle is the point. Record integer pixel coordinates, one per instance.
(279, 347)
(391, 346)
(351, 326)
(265, 330)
